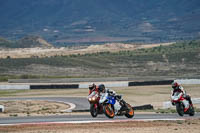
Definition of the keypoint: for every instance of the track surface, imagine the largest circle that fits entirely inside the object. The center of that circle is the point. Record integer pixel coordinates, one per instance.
(89, 118)
(82, 103)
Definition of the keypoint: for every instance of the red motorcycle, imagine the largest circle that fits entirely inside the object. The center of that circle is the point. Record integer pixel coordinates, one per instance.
(95, 107)
(182, 105)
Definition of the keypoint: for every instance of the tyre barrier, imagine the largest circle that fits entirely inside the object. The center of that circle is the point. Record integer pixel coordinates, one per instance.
(111, 84)
(1, 108)
(85, 85)
(64, 86)
(142, 107)
(143, 83)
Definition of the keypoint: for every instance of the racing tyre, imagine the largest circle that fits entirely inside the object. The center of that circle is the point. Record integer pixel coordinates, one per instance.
(109, 111)
(180, 109)
(93, 110)
(130, 112)
(192, 112)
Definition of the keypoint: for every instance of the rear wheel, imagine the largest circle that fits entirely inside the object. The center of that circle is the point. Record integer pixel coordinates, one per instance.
(130, 112)
(109, 111)
(180, 109)
(93, 110)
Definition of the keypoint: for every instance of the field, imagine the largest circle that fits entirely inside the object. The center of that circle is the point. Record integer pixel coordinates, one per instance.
(180, 60)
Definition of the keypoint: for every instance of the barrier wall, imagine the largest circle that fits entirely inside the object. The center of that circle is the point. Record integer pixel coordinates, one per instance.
(188, 81)
(64, 86)
(164, 82)
(107, 84)
(14, 87)
(85, 85)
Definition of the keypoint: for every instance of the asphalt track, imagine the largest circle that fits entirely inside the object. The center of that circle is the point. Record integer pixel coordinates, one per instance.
(90, 119)
(82, 103)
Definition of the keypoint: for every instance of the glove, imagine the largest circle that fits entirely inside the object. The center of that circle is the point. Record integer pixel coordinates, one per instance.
(118, 96)
(111, 93)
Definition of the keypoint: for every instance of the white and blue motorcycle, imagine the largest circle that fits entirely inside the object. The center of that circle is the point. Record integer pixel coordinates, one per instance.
(115, 105)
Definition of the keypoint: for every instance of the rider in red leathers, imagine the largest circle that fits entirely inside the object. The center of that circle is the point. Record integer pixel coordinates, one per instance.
(178, 88)
(92, 88)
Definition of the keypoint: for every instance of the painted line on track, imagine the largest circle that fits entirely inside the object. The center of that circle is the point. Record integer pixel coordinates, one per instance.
(72, 106)
(85, 122)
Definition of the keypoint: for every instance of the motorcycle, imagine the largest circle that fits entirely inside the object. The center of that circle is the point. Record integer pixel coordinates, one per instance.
(182, 105)
(95, 107)
(115, 105)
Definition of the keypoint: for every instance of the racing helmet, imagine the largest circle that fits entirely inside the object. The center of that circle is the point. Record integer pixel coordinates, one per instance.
(175, 85)
(92, 86)
(101, 87)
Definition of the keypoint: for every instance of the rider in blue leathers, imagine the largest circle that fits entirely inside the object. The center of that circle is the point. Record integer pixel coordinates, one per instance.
(103, 91)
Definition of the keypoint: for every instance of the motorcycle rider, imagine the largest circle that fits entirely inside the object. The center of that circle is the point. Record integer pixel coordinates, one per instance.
(95, 107)
(92, 88)
(178, 88)
(104, 90)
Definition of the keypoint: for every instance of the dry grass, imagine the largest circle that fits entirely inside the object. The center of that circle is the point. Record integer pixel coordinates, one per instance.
(48, 52)
(32, 108)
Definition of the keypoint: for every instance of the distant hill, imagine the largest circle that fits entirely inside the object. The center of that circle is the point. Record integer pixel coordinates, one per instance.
(26, 42)
(79, 21)
(32, 41)
(5, 43)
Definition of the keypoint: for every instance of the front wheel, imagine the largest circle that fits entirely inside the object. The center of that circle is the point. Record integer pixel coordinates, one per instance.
(109, 111)
(192, 112)
(130, 112)
(180, 109)
(93, 110)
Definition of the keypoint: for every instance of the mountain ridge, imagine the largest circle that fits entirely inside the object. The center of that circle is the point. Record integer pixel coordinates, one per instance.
(25, 42)
(134, 20)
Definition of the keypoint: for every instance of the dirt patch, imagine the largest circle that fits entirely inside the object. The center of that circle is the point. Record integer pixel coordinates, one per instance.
(32, 108)
(120, 127)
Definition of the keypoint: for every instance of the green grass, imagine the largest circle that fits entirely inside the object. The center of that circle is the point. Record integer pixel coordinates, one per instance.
(197, 109)
(11, 92)
(13, 115)
(165, 111)
(180, 122)
(4, 78)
